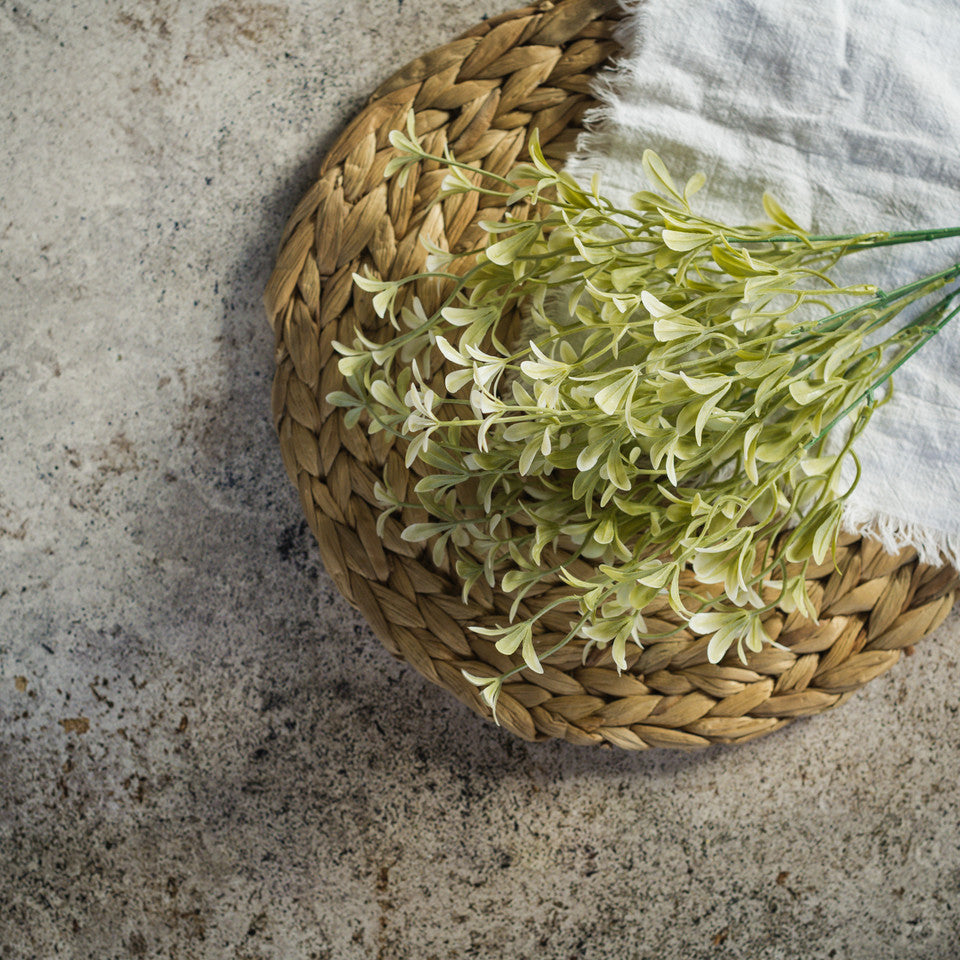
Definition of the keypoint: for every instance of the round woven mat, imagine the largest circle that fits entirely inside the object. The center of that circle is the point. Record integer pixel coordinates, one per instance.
(481, 95)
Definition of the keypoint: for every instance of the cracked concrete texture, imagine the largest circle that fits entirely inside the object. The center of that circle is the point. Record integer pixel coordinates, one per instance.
(204, 753)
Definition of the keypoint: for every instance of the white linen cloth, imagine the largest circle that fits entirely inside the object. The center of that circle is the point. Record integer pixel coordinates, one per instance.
(848, 111)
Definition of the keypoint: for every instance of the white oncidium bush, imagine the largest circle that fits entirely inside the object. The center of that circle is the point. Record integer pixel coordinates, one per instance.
(665, 410)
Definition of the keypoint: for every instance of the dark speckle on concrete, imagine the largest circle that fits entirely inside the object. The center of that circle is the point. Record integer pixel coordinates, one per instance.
(204, 752)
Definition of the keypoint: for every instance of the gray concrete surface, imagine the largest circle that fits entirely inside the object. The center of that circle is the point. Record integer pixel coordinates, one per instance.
(204, 753)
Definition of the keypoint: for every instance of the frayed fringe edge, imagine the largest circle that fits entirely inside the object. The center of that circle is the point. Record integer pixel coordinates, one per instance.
(607, 87)
(893, 533)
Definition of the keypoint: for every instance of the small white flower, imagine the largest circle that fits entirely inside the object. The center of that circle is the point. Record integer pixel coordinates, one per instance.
(742, 627)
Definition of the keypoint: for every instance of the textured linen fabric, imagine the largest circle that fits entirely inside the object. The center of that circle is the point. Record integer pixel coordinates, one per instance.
(849, 113)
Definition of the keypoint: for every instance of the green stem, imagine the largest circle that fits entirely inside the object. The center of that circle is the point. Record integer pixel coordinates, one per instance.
(861, 241)
(835, 320)
(926, 338)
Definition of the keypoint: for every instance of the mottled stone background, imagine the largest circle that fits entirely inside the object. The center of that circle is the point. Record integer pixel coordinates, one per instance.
(204, 753)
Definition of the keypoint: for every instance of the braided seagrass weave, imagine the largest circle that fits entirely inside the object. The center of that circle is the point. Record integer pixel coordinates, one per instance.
(481, 95)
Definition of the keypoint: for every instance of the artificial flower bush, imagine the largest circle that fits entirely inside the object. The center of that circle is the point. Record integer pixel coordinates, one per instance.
(666, 407)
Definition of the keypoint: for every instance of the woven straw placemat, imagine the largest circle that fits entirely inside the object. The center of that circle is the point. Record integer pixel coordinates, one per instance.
(481, 95)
